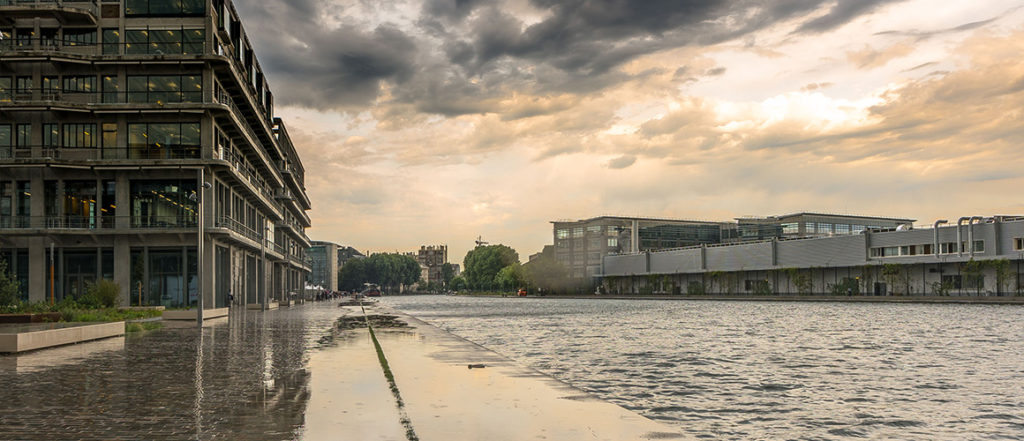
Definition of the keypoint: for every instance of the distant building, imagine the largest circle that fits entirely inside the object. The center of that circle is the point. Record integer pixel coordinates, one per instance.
(348, 253)
(324, 261)
(803, 225)
(581, 244)
(975, 256)
(431, 259)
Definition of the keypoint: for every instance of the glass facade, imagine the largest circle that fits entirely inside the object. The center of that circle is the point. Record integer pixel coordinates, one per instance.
(164, 140)
(164, 277)
(164, 203)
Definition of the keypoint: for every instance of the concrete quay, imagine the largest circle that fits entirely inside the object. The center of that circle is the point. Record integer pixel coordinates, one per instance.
(444, 398)
(28, 337)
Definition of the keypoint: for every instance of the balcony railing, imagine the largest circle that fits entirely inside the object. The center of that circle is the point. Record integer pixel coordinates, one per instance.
(37, 96)
(69, 47)
(98, 153)
(71, 222)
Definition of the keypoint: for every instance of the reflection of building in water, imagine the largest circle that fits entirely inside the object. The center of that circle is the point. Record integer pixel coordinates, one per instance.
(114, 116)
(323, 260)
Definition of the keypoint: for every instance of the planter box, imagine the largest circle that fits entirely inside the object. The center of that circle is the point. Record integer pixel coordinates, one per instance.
(271, 305)
(190, 314)
(42, 317)
(44, 335)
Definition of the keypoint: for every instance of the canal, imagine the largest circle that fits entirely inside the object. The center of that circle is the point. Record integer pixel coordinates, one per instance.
(763, 370)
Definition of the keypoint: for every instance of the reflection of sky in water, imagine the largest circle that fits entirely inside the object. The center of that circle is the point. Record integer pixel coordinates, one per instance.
(767, 370)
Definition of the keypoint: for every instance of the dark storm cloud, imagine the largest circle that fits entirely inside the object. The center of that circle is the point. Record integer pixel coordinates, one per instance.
(462, 56)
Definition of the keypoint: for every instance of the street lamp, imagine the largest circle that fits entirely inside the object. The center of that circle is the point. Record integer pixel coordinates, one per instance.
(263, 265)
(200, 274)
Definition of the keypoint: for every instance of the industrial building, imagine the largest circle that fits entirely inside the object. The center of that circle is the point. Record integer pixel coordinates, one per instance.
(580, 245)
(138, 143)
(976, 256)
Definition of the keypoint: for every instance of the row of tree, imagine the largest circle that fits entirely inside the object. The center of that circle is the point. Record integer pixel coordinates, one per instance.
(390, 271)
(497, 267)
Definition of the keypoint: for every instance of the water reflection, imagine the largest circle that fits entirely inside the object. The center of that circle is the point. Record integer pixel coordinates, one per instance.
(768, 370)
(245, 378)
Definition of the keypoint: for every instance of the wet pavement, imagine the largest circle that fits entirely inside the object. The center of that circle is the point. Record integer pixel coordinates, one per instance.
(243, 378)
(296, 373)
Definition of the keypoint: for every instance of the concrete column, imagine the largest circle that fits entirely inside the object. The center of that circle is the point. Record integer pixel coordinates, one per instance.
(123, 268)
(38, 284)
(123, 197)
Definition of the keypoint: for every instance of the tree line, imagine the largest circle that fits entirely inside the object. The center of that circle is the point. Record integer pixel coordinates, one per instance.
(390, 271)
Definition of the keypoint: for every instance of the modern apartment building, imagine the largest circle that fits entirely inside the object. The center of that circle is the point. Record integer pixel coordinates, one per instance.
(323, 258)
(976, 256)
(129, 127)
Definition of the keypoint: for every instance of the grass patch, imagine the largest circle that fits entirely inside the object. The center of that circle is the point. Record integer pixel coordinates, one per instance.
(142, 326)
(72, 311)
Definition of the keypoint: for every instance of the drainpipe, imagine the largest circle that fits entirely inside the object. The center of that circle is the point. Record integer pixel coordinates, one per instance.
(970, 233)
(935, 229)
(959, 235)
(634, 237)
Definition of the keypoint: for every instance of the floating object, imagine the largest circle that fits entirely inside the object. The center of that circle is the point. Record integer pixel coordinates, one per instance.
(477, 366)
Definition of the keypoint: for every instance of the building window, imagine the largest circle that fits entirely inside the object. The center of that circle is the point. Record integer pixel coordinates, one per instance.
(80, 204)
(163, 140)
(51, 135)
(111, 41)
(577, 232)
(5, 141)
(842, 229)
(824, 228)
(163, 204)
(594, 243)
(160, 42)
(79, 37)
(562, 233)
(164, 8)
(111, 90)
(5, 89)
(165, 89)
(979, 246)
(594, 229)
(1018, 243)
(79, 135)
(613, 242)
(80, 83)
(791, 228)
(24, 135)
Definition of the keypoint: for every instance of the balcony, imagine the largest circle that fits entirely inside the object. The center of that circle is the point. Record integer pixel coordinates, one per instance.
(51, 153)
(36, 47)
(90, 224)
(66, 12)
(77, 101)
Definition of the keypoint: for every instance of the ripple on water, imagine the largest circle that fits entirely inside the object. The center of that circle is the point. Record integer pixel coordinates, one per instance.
(776, 370)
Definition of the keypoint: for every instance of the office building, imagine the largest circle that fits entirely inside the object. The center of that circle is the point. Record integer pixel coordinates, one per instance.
(323, 259)
(976, 256)
(129, 127)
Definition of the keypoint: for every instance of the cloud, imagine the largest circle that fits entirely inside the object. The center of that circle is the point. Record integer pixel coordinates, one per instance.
(869, 58)
(841, 13)
(621, 162)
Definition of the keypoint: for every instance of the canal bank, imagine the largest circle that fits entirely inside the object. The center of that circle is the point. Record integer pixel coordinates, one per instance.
(983, 300)
(446, 387)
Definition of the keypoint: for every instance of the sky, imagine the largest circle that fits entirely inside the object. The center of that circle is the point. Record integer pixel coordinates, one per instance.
(427, 122)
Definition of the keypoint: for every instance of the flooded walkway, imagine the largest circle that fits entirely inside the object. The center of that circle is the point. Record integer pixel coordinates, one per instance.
(289, 374)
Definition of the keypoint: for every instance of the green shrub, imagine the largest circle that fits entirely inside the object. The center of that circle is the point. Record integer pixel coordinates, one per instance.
(102, 294)
(695, 288)
(8, 287)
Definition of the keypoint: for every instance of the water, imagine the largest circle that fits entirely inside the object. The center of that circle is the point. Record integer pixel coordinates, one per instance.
(760, 370)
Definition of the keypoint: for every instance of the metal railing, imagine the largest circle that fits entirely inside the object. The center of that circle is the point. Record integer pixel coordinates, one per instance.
(73, 222)
(88, 97)
(73, 47)
(100, 153)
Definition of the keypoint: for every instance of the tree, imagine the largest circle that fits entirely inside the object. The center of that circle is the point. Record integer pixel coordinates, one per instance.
(352, 275)
(391, 271)
(9, 294)
(458, 283)
(511, 277)
(483, 263)
(547, 274)
(447, 274)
